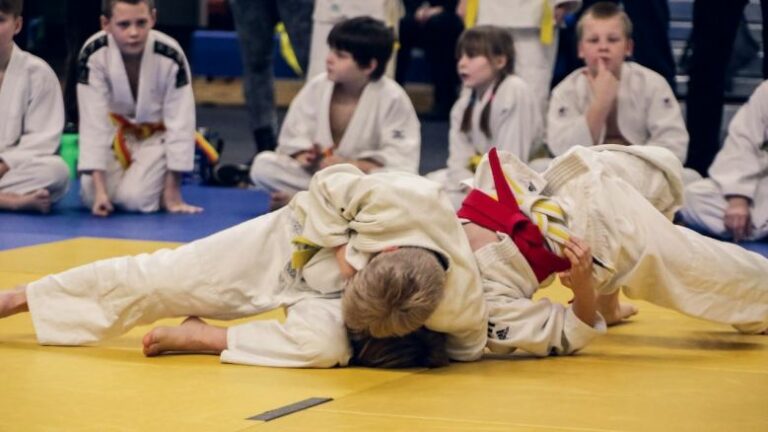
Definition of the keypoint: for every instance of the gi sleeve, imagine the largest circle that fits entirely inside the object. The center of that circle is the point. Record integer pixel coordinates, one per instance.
(96, 130)
(312, 336)
(43, 120)
(742, 162)
(399, 146)
(179, 120)
(519, 122)
(460, 148)
(665, 120)
(300, 123)
(515, 321)
(566, 125)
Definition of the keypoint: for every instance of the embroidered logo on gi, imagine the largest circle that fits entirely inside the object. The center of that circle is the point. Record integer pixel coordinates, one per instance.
(562, 111)
(398, 134)
(500, 334)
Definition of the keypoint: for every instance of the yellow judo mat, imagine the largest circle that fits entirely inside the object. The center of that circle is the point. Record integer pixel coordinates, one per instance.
(661, 371)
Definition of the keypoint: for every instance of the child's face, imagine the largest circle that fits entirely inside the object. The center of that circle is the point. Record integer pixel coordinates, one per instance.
(10, 25)
(604, 40)
(130, 25)
(479, 71)
(343, 69)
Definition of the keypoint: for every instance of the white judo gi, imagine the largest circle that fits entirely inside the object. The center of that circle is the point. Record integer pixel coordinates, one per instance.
(384, 128)
(246, 270)
(31, 122)
(534, 60)
(740, 168)
(515, 124)
(328, 13)
(648, 112)
(619, 199)
(164, 96)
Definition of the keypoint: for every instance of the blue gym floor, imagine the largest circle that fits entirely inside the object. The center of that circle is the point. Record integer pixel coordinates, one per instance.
(224, 207)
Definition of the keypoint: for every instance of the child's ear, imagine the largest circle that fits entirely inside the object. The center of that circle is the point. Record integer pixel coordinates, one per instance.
(18, 24)
(368, 70)
(154, 17)
(630, 48)
(104, 22)
(500, 62)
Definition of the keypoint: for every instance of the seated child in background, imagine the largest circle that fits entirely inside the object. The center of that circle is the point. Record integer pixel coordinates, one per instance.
(393, 235)
(620, 200)
(351, 114)
(329, 13)
(137, 114)
(733, 202)
(534, 25)
(32, 178)
(612, 101)
(495, 108)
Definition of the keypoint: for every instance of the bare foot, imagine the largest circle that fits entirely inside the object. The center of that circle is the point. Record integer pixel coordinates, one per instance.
(37, 201)
(278, 200)
(180, 207)
(612, 310)
(192, 336)
(13, 301)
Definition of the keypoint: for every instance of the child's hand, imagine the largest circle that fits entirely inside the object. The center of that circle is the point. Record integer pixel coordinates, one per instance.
(3, 168)
(461, 9)
(737, 217)
(102, 206)
(347, 271)
(579, 276)
(605, 85)
(332, 160)
(309, 159)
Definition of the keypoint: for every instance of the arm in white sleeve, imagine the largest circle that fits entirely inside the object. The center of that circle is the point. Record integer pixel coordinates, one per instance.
(460, 148)
(179, 120)
(301, 122)
(665, 120)
(566, 126)
(518, 322)
(96, 130)
(400, 141)
(43, 119)
(519, 122)
(312, 336)
(741, 163)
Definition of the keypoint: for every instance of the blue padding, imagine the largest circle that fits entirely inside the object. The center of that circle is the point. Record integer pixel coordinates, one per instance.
(759, 247)
(224, 207)
(216, 53)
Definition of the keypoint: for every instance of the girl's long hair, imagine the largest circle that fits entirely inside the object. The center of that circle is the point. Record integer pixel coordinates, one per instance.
(490, 42)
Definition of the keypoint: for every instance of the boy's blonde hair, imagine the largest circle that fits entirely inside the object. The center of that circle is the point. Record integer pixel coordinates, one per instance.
(12, 7)
(602, 11)
(395, 293)
(107, 6)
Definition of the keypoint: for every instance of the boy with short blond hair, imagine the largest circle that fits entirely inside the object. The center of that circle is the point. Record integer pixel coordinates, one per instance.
(300, 258)
(395, 293)
(137, 114)
(351, 114)
(610, 100)
(32, 177)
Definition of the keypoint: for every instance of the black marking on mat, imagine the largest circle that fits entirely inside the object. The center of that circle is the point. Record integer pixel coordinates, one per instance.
(290, 409)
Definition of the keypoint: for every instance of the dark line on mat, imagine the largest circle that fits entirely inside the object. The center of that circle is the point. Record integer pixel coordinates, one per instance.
(290, 409)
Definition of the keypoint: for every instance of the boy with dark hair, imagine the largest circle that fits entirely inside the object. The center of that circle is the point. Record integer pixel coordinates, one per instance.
(31, 122)
(137, 114)
(351, 114)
